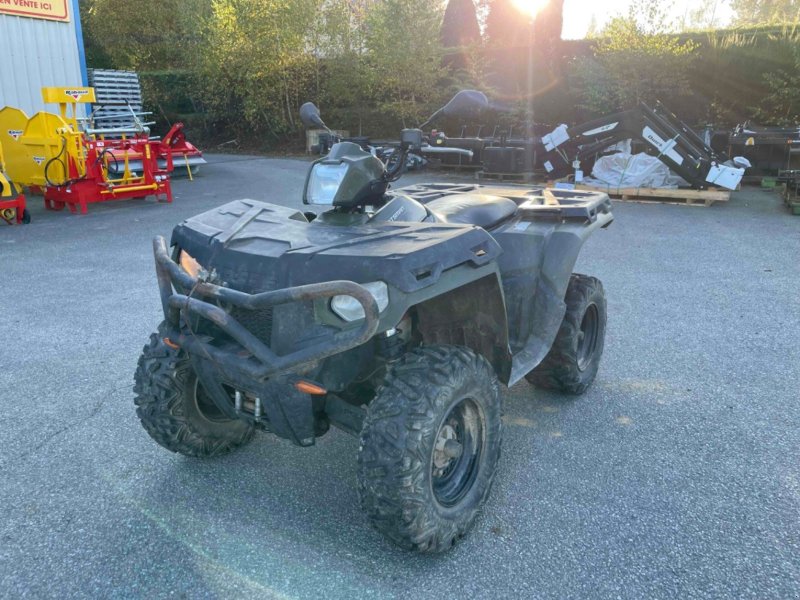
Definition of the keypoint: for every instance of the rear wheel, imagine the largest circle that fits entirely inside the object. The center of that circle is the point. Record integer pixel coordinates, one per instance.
(175, 409)
(572, 363)
(429, 447)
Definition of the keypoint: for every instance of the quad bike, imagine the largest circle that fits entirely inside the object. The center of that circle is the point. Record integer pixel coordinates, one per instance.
(393, 315)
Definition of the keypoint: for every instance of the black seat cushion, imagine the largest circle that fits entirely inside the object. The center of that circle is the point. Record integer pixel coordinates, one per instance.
(472, 209)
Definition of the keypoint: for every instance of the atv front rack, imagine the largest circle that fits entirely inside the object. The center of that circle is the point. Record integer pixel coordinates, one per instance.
(255, 360)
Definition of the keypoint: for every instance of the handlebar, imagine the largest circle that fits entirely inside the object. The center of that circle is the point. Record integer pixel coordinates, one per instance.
(445, 150)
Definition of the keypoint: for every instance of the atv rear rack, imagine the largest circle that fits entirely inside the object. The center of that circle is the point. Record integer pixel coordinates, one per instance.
(178, 307)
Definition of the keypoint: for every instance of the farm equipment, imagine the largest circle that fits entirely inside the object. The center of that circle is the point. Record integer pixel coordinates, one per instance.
(118, 106)
(12, 200)
(671, 140)
(174, 152)
(392, 315)
(72, 166)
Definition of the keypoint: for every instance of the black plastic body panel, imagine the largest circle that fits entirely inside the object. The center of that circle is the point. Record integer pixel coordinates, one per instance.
(513, 277)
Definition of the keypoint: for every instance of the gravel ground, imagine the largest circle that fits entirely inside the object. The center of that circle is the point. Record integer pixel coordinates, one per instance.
(675, 476)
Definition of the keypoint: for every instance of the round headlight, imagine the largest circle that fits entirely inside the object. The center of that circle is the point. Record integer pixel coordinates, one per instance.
(350, 309)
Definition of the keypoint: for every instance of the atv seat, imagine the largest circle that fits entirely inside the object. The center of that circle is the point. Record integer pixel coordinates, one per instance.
(472, 209)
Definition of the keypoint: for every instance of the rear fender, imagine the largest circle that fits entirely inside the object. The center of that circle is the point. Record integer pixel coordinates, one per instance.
(560, 253)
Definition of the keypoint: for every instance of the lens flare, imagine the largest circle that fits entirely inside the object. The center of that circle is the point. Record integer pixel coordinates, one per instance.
(530, 7)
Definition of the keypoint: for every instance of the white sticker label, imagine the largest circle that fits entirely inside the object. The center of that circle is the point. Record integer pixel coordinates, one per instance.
(602, 129)
(15, 133)
(665, 147)
(75, 94)
(38, 159)
(548, 166)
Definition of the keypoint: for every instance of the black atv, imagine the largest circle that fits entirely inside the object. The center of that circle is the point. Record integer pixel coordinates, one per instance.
(392, 315)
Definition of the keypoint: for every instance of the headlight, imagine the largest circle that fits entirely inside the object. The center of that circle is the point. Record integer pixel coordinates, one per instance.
(189, 264)
(350, 309)
(324, 182)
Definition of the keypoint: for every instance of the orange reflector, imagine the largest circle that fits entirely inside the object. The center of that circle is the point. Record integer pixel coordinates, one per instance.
(310, 388)
(189, 264)
(171, 344)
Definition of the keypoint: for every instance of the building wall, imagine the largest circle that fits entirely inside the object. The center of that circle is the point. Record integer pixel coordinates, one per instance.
(35, 53)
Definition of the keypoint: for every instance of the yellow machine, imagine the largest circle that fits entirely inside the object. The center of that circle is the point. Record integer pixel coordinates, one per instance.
(41, 148)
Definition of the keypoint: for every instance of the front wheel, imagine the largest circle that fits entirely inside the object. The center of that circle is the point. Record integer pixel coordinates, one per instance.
(175, 409)
(571, 365)
(429, 447)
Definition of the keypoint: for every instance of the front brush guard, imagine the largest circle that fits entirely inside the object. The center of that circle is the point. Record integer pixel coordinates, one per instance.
(257, 362)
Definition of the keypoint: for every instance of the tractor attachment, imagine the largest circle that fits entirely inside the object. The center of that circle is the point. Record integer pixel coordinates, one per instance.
(12, 201)
(673, 142)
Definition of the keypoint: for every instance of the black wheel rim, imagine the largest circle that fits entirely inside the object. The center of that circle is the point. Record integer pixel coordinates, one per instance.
(587, 338)
(457, 452)
(206, 407)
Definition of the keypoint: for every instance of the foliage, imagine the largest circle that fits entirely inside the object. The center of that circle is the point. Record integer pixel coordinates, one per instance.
(405, 56)
(781, 104)
(634, 60)
(240, 69)
(505, 27)
(765, 12)
(143, 35)
(460, 24)
(254, 63)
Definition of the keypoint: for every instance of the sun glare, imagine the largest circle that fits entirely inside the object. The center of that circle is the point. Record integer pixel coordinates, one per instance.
(530, 7)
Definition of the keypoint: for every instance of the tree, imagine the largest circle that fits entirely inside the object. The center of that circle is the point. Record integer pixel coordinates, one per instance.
(635, 59)
(344, 81)
(765, 12)
(548, 24)
(505, 25)
(255, 65)
(404, 54)
(781, 105)
(147, 34)
(705, 15)
(460, 24)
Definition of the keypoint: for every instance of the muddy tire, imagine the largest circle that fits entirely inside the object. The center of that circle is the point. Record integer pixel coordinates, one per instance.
(175, 410)
(571, 365)
(429, 447)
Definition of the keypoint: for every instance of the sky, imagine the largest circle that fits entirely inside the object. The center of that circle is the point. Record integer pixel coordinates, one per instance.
(578, 13)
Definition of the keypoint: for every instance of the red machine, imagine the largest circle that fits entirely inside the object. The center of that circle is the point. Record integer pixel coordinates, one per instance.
(106, 174)
(12, 200)
(173, 147)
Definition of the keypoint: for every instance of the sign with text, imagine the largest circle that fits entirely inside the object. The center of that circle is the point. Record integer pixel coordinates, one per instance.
(52, 10)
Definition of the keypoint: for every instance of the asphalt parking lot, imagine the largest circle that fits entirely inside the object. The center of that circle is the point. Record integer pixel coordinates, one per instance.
(676, 476)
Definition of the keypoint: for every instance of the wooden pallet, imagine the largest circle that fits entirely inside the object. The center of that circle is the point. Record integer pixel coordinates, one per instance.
(526, 177)
(682, 196)
(454, 167)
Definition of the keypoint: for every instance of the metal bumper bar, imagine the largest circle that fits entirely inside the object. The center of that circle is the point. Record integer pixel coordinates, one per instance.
(257, 361)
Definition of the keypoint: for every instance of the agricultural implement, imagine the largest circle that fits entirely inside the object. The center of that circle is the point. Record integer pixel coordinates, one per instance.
(173, 150)
(73, 167)
(661, 132)
(12, 201)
